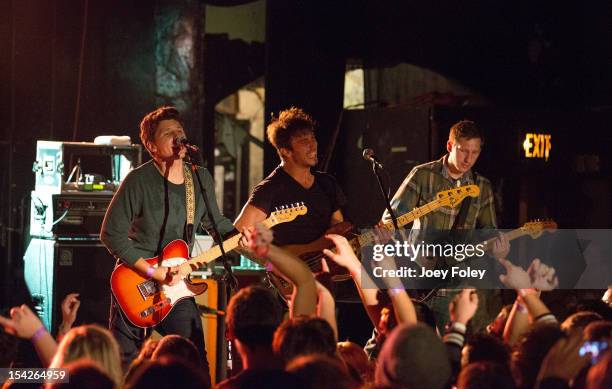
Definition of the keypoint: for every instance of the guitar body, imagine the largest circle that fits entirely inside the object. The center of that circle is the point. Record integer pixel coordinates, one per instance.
(312, 253)
(145, 302)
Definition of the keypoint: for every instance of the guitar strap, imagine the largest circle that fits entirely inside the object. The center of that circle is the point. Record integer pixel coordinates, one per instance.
(459, 222)
(189, 201)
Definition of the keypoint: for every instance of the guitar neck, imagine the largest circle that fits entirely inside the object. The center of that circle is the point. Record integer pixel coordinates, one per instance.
(407, 218)
(215, 251)
(416, 213)
(511, 235)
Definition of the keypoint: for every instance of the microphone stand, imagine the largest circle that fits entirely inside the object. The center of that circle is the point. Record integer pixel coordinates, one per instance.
(229, 277)
(376, 169)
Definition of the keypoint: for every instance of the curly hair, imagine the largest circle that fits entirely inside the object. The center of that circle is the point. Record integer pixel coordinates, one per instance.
(289, 123)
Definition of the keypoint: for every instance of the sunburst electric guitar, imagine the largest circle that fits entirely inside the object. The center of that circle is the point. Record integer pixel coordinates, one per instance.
(146, 303)
(311, 253)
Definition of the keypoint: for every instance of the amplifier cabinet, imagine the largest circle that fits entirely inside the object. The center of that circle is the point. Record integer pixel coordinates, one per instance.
(53, 268)
(68, 214)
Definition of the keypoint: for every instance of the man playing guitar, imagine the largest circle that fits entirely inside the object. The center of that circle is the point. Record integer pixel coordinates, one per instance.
(150, 209)
(452, 170)
(293, 181)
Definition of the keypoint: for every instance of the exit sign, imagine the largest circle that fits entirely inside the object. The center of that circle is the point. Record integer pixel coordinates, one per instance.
(537, 145)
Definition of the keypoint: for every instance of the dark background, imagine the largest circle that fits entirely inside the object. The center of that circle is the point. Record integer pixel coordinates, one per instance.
(540, 64)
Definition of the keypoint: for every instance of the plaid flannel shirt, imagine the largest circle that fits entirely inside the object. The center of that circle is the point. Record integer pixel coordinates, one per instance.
(421, 186)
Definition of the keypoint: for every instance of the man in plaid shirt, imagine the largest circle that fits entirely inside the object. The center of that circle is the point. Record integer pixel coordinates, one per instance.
(420, 187)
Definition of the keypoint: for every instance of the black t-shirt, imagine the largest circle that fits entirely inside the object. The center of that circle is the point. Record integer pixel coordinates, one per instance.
(323, 198)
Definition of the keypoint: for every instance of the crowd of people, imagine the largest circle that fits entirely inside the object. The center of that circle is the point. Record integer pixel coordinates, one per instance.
(524, 347)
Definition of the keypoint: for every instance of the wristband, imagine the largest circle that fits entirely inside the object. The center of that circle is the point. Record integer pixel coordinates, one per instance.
(395, 291)
(520, 307)
(38, 334)
(150, 272)
(456, 327)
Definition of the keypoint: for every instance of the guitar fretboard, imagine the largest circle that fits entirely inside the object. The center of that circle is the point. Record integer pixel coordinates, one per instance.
(215, 251)
(369, 237)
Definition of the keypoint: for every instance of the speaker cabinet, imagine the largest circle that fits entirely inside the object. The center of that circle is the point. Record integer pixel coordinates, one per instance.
(54, 268)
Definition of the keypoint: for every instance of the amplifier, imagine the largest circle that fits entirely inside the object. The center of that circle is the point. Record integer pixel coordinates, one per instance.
(79, 214)
(68, 214)
(53, 268)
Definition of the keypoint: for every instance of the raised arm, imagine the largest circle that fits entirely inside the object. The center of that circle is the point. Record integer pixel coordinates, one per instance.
(345, 257)
(528, 285)
(304, 299)
(25, 324)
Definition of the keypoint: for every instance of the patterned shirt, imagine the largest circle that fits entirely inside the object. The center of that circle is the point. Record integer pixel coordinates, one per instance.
(421, 186)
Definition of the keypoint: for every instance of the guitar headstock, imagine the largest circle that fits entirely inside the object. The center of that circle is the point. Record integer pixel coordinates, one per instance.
(535, 228)
(454, 197)
(285, 214)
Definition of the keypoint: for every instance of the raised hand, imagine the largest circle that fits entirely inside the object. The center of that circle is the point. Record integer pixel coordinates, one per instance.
(257, 239)
(501, 247)
(464, 306)
(344, 255)
(542, 276)
(22, 322)
(516, 277)
(70, 307)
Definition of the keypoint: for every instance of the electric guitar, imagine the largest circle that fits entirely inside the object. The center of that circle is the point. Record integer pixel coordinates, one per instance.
(311, 253)
(533, 228)
(146, 303)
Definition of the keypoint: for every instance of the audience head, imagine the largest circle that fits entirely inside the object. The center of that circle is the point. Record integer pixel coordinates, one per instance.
(579, 320)
(147, 349)
(93, 342)
(167, 373)
(304, 335)
(178, 347)
(85, 373)
(485, 348)
(356, 359)
(413, 356)
(318, 371)
(598, 330)
(484, 375)
(530, 351)
(253, 314)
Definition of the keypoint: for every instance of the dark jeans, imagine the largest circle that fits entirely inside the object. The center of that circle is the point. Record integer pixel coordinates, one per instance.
(183, 320)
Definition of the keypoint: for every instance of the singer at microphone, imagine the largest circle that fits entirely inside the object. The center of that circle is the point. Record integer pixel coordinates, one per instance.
(182, 141)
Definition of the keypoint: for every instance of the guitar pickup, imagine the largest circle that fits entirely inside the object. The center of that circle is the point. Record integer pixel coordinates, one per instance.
(147, 288)
(151, 310)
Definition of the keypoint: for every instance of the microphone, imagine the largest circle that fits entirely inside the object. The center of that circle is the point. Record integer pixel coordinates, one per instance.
(181, 140)
(368, 155)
